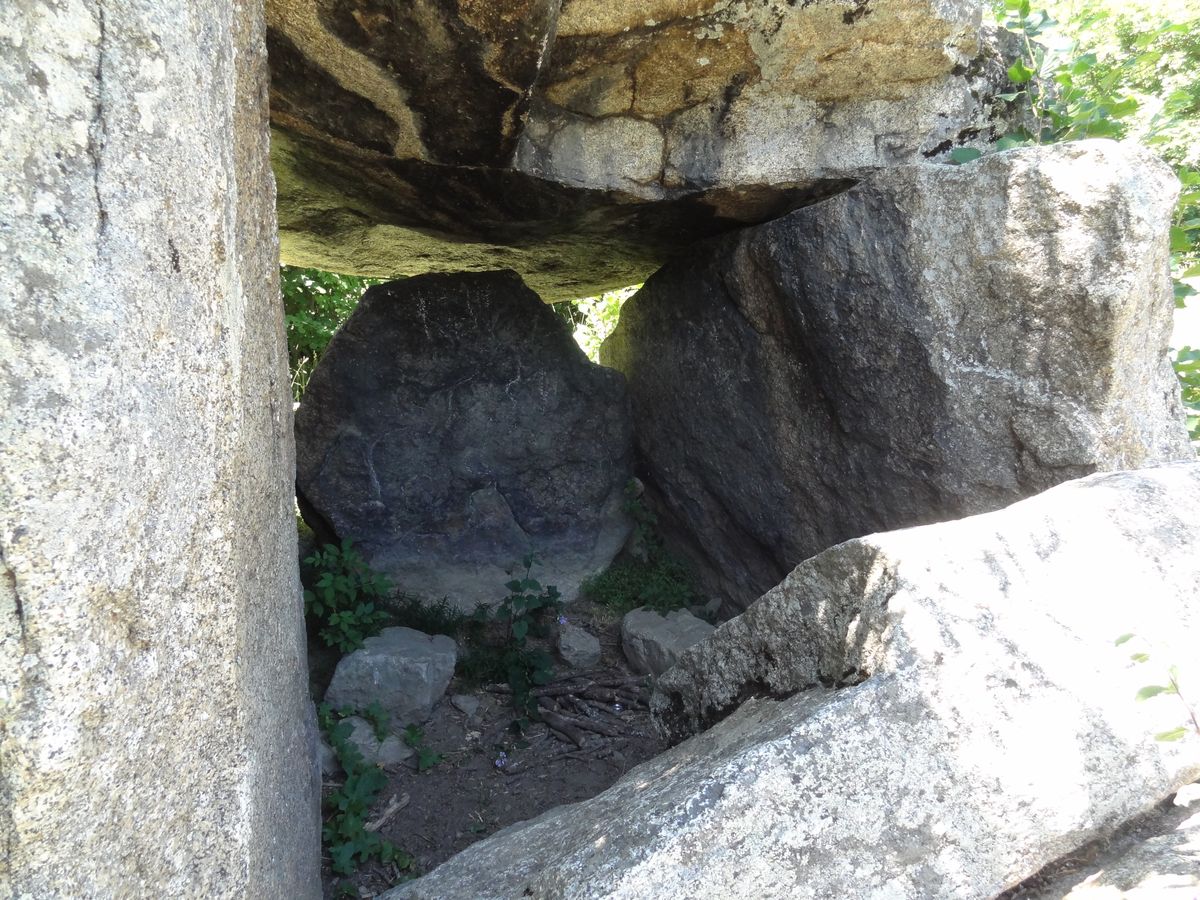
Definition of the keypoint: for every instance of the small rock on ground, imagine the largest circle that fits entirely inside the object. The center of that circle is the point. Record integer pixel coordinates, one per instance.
(578, 648)
(466, 704)
(391, 751)
(403, 670)
(653, 642)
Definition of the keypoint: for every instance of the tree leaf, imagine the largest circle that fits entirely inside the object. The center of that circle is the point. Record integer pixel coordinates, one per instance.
(962, 155)
(1153, 690)
(1019, 73)
(1174, 734)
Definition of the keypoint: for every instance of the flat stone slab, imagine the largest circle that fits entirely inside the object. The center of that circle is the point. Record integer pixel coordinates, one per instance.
(584, 142)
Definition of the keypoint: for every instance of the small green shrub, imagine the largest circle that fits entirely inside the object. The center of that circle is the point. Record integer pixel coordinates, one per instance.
(499, 640)
(660, 584)
(342, 599)
(426, 758)
(344, 833)
(374, 714)
(315, 303)
(1187, 367)
(653, 578)
(1171, 689)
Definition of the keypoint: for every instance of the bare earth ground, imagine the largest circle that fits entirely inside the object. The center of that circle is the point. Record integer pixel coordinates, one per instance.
(467, 796)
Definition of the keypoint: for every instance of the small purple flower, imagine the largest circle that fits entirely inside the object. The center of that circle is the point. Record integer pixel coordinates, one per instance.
(501, 760)
(562, 620)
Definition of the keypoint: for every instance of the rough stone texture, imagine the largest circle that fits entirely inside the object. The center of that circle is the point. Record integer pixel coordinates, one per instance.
(1163, 867)
(579, 648)
(453, 427)
(404, 671)
(391, 751)
(467, 704)
(953, 714)
(327, 759)
(936, 343)
(1158, 860)
(652, 642)
(156, 739)
(581, 142)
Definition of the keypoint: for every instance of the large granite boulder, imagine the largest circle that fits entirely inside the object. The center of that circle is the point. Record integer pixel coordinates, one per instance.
(580, 142)
(156, 736)
(452, 427)
(937, 342)
(929, 713)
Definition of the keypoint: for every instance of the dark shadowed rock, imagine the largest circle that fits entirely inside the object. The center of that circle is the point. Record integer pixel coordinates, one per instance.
(453, 427)
(581, 142)
(938, 342)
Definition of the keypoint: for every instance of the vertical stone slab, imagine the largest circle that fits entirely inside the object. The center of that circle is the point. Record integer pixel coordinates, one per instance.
(156, 732)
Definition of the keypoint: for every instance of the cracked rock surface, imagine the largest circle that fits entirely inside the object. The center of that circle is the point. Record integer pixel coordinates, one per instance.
(936, 342)
(454, 426)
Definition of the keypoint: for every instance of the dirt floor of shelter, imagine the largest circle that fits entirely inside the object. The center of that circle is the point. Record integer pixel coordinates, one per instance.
(474, 791)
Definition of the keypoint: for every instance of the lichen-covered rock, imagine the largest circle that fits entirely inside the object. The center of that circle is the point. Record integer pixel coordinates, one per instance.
(951, 715)
(404, 671)
(453, 427)
(652, 642)
(581, 142)
(156, 736)
(935, 343)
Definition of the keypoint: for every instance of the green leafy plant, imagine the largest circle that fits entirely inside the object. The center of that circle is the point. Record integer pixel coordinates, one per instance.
(428, 616)
(1051, 77)
(1171, 688)
(1187, 367)
(500, 640)
(592, 319)
(651, 577)
(342, 600)
(347, 839)
(315, 303)
(426, 758)
(376, 716)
